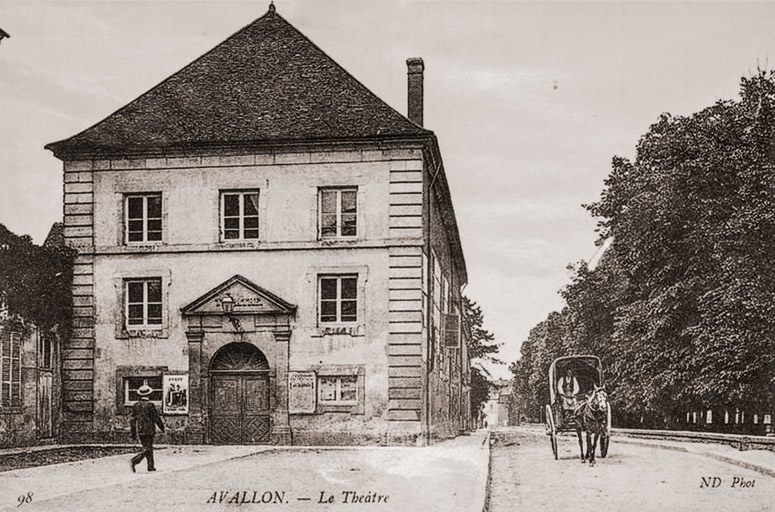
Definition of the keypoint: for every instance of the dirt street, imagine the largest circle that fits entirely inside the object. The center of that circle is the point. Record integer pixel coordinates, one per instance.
(633, 477)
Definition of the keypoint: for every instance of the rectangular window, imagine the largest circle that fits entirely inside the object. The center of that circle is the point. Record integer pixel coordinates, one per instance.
(338, 299)
(239, 215)
(143, 303)
(338, 213)
(342, 390)
(132, 384)
(142, 216)
(45, 351)
(10, 369)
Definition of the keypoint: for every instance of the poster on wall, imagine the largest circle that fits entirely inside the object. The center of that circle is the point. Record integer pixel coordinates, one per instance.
(176, 394)
(301, 392)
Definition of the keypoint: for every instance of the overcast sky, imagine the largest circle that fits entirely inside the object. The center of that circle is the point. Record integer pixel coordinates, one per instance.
(530, 101)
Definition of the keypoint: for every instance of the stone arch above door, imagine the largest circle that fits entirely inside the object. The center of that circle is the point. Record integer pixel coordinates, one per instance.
(239, 357)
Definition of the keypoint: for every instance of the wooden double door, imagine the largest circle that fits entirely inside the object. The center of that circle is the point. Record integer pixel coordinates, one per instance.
(240, 408)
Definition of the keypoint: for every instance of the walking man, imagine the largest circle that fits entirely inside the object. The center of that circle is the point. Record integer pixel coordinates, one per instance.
(145, 418)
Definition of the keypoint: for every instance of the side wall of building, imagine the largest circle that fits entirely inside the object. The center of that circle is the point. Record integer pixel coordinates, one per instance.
(446, 362)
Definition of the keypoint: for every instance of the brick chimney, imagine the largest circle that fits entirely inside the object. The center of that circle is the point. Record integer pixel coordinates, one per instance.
(414, 71)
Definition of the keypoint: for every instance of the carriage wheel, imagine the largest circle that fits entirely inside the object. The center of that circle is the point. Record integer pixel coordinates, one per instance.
(551, 430)
(606, 439)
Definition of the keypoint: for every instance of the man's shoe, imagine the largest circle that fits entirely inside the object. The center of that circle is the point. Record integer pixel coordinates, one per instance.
(151, 469)
(132, 465)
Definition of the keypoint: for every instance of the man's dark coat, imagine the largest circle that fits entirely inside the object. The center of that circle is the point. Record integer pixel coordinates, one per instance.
(144, 419)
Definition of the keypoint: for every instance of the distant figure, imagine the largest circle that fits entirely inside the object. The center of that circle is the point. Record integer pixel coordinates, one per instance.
(145, 418)
(567, 389)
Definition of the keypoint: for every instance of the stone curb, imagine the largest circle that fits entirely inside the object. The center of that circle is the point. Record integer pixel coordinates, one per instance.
(742, 464)
(48, 447)
(633, 440)
(488, 482)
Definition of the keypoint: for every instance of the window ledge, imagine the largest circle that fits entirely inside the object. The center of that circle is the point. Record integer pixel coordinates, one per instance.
(247, 243)
(345, 408)
(339, 330)
(143, 334)
(350, 240)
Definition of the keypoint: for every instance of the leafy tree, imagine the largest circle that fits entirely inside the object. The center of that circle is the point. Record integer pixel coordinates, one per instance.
(35, 281)
(482, 347)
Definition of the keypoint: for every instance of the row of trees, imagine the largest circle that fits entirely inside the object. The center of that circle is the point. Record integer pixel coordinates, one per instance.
(681, 308)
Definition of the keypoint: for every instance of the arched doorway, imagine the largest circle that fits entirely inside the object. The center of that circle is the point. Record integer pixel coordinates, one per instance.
(239, 404)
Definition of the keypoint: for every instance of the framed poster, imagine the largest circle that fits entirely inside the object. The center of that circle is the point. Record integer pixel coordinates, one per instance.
(301, 392)
(175, 394)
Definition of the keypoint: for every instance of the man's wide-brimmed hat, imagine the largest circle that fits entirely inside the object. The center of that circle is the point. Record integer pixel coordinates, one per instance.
(144, 390)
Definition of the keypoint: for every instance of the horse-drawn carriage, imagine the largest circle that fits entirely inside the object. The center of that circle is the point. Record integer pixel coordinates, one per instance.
(578, 403)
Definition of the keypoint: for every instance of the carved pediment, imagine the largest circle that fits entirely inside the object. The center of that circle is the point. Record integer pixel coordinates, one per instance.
(248, 299)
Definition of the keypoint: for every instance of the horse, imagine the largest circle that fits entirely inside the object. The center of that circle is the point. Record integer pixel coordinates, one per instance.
(592, 417)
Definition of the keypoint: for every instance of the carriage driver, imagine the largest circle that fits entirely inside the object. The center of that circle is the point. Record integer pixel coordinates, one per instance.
(567, 389)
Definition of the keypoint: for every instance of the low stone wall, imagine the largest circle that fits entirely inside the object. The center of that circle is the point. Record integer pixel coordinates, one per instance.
(741, 442)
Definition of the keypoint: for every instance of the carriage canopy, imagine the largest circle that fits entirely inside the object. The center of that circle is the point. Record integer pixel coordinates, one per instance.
(587, 370)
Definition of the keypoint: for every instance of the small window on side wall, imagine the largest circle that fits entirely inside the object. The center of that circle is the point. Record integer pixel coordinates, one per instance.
(239, 215)
(132, 384)
(142, 218)
(338, 213)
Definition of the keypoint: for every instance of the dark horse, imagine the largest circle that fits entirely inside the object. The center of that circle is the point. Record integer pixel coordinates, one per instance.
(592, 417)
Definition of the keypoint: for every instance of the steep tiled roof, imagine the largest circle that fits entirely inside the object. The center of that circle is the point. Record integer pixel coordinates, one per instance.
(266, 83)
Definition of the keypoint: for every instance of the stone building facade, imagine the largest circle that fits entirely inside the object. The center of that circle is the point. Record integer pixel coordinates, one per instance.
(272, 249)
(29, 381)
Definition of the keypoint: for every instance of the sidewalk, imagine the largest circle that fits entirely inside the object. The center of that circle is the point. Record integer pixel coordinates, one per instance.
(451, 476)
(762, 461)
(56, 480)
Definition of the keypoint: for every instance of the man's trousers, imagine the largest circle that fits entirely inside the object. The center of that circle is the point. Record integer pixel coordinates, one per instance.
(146, 453)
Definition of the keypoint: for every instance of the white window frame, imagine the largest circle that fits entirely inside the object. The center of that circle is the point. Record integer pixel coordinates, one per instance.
(7, 400)
(222, 214)
(338, 300)
(145, 325)
(339, 223)
(146, 379)
(144, 197)
(338, 393)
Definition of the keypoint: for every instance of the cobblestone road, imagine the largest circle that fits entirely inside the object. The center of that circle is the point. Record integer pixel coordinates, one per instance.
(525, 477)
